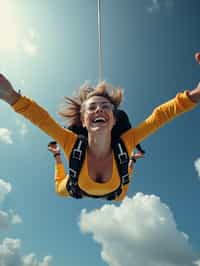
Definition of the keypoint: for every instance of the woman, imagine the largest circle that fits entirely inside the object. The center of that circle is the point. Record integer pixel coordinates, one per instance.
(95, 110)
(122, 124)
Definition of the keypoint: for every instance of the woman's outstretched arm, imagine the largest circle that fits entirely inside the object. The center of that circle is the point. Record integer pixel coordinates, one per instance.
(37, 115)
(163, 114)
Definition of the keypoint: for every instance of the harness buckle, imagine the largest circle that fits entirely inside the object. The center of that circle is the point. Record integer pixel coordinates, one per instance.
(125, 179)
(72, 173)
(122, 156)
(77, 153)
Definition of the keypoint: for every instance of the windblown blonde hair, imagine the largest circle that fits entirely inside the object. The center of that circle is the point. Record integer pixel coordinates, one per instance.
(72, 107)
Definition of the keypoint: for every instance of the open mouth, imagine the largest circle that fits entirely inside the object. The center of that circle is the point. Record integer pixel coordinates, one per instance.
(99, 120)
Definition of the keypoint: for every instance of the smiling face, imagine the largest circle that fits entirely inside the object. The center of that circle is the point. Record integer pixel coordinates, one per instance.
(97, 114)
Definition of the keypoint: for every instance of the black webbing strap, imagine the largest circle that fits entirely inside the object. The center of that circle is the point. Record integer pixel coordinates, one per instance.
(122, 160)
(76, 162)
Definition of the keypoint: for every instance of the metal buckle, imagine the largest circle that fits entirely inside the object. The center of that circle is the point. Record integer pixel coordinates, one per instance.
(72, 173)
(125, 179)
(122, 156)
(77, 153)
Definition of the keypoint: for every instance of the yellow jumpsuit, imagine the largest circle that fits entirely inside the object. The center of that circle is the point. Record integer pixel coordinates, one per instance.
(66, 139)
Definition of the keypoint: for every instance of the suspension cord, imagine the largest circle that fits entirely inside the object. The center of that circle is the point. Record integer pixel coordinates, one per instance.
(100, 57)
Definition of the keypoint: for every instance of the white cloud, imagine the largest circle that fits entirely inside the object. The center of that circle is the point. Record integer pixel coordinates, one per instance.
(5, 188)
(29, 43)
(15, 218)
(10, 255)
(10, 248)
(5, 136)
(156, 5)
(22, 127)
(141, 231)
(31, 260)
(197, 263)
(197, 166)
(9, 252)
(4, 220)
(30, 48)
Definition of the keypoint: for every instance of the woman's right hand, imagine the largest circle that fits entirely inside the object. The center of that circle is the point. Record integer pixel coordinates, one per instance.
(53, 147)
(7, 93)
(137, 155)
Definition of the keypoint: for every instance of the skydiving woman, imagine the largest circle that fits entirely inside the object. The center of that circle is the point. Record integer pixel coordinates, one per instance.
(122, 124)
(95, 109)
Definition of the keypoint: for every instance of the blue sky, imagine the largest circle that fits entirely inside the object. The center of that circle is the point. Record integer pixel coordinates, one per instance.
(48, 49)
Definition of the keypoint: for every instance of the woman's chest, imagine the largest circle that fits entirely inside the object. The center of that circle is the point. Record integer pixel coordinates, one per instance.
(106, 172)
(100, 170)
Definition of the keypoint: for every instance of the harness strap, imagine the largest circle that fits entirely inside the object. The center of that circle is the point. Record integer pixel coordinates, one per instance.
(122, 159)
(76, 161)
(75, 164)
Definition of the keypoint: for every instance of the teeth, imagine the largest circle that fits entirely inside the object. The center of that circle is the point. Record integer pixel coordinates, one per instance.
(99, 119)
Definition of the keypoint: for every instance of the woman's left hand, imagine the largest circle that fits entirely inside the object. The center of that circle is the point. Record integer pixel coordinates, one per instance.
(195, 94)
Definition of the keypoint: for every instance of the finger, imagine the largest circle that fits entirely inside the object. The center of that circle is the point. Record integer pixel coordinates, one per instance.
(2, 77)
(52, 146)
(52, 143)
(130, 164)
(51, 149)
(197, 57)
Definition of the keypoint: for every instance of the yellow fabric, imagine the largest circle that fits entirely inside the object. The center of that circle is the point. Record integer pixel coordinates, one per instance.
(60, 180)
(66, 139)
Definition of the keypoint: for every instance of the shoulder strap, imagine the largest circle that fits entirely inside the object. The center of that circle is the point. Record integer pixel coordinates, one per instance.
(75, 164)
(122, 160)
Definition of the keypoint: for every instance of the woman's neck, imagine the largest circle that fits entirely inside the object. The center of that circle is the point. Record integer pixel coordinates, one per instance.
(99, 145)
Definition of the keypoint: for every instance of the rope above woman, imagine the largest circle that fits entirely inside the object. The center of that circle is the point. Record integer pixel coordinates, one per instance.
(100, 56)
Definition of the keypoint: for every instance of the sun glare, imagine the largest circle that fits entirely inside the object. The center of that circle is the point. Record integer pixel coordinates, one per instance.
(8, 26)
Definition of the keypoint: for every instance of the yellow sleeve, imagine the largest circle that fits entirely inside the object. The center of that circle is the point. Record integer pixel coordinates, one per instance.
(61, 180)
(159, 117)
(41, 118)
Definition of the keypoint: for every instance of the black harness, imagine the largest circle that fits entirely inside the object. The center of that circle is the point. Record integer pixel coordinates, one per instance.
(76, 161)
